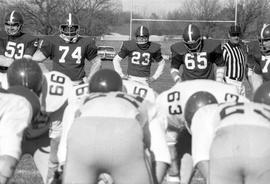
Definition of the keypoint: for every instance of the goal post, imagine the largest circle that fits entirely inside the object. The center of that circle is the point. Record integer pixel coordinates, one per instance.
(132, 20)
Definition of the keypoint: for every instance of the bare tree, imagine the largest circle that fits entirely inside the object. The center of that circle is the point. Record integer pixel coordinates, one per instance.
(44, 16)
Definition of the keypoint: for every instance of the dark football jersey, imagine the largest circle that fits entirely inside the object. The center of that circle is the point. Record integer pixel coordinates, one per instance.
(257, 61)
(69, 58)
(197, 65)
(139, 59)
(17, 46)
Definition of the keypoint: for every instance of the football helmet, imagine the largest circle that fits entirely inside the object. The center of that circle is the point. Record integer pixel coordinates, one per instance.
(262, 94)
(192, 38)
(196, 101)
(142, 35)
(264, 39)
(70, 28)
(13, 23)
(105, 80)
(27, 73)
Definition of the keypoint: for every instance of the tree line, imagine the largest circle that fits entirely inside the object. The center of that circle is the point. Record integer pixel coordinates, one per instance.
(99, 17)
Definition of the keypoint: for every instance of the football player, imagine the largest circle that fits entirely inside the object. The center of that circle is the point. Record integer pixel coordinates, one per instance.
(69, 51)
(15, 44)
(19, 107)
(141, 53)
(172, 103)
(197, 56)
(259, 58)
(120, 123)
(231, 137)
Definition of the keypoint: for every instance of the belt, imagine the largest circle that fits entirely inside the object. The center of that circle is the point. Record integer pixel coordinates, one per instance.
(233, 81)
(234, 78)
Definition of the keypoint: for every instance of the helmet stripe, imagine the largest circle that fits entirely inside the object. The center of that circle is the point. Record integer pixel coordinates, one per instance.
(11, 16)
(190, 32)
(69, 19)
(141, 31)
(264, 26)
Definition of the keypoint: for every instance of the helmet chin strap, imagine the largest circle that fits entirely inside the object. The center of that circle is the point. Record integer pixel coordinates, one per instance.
(69, 40)
(144, 45)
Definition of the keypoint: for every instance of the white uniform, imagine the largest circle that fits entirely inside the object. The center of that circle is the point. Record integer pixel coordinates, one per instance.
(16, 114)
(137, 88)
(171, 104)
(43, 145)
(3, 80)
(113, 110)
(172, 101)
(130, 87)
(234, 137)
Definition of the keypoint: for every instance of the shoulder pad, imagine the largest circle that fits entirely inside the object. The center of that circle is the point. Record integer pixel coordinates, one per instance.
(55, 90)
(129, 44)
(179, 48)
(78, 92)
(31, 97)
(155, 46)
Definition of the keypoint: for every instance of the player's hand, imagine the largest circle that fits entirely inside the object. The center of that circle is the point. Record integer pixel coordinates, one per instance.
(57, 178)
(125, 77)
(151, 80)
(40, 120)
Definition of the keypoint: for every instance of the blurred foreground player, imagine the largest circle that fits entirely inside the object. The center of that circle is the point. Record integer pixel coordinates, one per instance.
(119, 128)
(19, 105)
(236, 132)
(243, 131)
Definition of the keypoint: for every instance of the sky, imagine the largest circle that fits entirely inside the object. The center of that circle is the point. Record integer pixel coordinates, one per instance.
(151, 6)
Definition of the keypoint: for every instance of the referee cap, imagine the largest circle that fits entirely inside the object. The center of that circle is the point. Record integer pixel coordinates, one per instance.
(235, 30)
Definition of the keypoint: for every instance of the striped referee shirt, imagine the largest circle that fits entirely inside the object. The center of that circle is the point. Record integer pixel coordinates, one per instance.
(234, 56)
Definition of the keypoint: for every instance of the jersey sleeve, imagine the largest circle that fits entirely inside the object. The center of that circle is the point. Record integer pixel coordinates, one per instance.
(2, 46)
(45, 46)
(158, 140)
(31, 46)
(67, 121)
(12, 126)
(202, 131)
(177, 59)
(124, 51)
(91, 50)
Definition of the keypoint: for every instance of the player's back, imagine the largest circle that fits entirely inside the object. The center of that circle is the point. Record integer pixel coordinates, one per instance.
(248, 114)
(15, 112)
(136, 88)
(113, 104)
(10, 101)
(56, 90)
(172, 102)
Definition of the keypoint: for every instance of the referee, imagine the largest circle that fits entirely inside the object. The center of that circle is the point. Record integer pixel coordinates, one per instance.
(234, 54)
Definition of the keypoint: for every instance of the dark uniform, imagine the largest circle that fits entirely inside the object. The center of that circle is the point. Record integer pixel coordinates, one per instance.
(69, 58)
(17, 46)
(140, 59)
(197, 65)
(258, 62)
